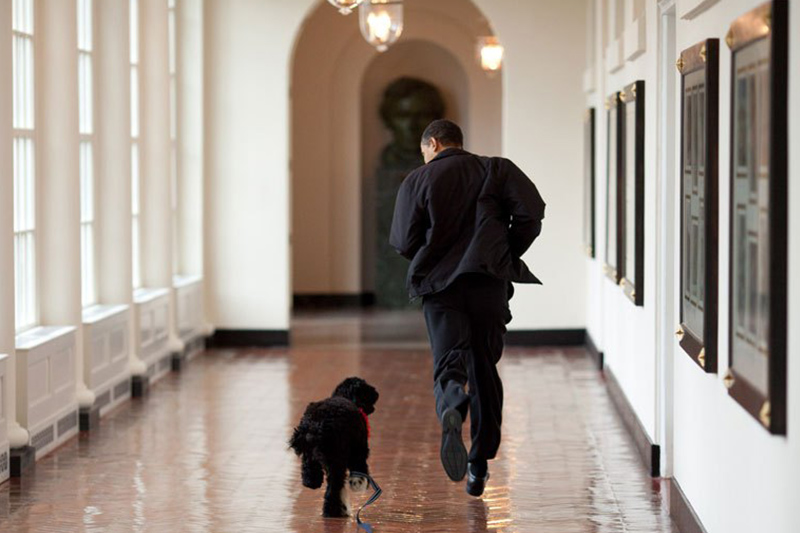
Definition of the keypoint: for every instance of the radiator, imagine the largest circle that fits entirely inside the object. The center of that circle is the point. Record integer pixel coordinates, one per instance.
(189, 302)
(46, 403)
(152, 326)
(106, 352)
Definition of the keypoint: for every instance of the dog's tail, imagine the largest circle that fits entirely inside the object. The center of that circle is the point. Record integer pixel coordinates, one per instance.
(303, 440)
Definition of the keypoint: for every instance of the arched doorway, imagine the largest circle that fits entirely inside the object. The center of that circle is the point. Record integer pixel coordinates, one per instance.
(415, 60)
(335, 80)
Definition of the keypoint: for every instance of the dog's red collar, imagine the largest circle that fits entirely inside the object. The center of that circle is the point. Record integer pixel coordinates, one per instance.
(366, 420)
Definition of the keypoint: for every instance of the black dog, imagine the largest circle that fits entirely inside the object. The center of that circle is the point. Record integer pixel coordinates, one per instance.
(332, 438)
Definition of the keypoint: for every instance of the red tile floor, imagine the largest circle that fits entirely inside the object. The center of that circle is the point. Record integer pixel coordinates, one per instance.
(206, 451)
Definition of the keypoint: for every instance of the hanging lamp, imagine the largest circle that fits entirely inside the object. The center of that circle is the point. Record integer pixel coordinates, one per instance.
(490, 54)
(381, 22)
(345, 6)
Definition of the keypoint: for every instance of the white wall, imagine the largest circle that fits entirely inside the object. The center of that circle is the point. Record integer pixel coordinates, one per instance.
(629, 337)
(736, 475)
(247, 51)
(721, 453)
(542, 133)
(325, 176)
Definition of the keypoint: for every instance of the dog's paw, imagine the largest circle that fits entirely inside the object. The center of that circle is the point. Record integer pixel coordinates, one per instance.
(336, 510)
(335, 513)
(358, 484)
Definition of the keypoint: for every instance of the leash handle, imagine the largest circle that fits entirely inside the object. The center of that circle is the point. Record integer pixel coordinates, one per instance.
(372, 499)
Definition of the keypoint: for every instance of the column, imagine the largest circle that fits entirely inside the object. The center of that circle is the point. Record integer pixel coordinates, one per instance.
(190, 139)
(113, 123)
(113, 105)
(58, 178)
(156, 191)
(17, 436)
(155, 145)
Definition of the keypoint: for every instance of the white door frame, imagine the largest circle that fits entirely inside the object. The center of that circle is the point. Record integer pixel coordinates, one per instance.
(666, 272)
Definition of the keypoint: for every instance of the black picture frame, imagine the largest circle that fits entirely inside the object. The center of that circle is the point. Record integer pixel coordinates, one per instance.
(756, 379)
(699, 203)
(614, 168)
(589, 186)
(631, 207)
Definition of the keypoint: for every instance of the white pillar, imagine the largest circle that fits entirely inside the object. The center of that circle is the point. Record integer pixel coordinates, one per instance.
(114, 212)
(156, 155)
(155, 145)
(17, 436)
(191, 127)
(113, 134)
(190, 135)
(58, 175)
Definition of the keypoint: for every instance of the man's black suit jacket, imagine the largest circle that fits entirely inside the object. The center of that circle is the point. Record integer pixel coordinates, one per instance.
(462, 213)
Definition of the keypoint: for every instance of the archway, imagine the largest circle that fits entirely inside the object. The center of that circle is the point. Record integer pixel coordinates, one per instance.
(330, 76)
(415, 59)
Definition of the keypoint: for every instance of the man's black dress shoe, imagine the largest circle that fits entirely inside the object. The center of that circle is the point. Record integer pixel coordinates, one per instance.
(476, 484)
(453, 452)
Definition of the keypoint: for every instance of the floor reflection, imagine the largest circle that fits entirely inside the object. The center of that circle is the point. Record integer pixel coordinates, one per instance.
(207, 450)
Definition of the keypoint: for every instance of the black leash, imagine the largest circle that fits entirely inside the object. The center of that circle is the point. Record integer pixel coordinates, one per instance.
(372, 499)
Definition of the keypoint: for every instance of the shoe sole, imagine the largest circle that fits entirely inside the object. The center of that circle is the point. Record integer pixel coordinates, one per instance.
(453, 453)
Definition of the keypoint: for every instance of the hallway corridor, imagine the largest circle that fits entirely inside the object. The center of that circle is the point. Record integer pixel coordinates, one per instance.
(206, 451)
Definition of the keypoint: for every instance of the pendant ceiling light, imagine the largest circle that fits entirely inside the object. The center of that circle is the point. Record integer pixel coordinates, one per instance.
(381, 22)
(490, 54)
(345, 6)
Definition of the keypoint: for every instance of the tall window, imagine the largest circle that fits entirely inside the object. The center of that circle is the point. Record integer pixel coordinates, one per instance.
(86, 129)
(26, 311)
(135, 174)
(173, 132)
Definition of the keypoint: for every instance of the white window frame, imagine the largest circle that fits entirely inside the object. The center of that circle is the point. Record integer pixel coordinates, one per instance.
(172, 23)
(26, 312)
(88, 181)
(136, 224)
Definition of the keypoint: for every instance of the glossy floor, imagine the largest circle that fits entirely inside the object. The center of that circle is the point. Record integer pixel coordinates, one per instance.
(206, 451)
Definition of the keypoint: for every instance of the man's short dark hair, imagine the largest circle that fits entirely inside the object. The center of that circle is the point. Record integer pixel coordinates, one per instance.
(445, 131)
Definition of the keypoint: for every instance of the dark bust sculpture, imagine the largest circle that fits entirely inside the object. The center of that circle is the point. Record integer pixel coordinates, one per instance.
(408, 106)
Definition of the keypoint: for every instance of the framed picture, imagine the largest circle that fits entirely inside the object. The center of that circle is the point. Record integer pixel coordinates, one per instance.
(631, 241)
(699, 68)
(758, 247)
(589, 183)
(613, 189)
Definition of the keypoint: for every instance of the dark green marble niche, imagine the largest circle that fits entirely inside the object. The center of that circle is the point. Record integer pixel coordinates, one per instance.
(408, 106)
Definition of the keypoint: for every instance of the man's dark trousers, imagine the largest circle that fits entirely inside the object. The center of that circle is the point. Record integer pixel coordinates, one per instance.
(466, 326)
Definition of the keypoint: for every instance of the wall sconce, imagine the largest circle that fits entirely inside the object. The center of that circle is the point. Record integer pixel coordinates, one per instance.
(490, 53)
(381, 22)
(345, 6)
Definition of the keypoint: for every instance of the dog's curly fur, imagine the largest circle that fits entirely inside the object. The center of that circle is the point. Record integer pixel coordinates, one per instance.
(332, 438)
